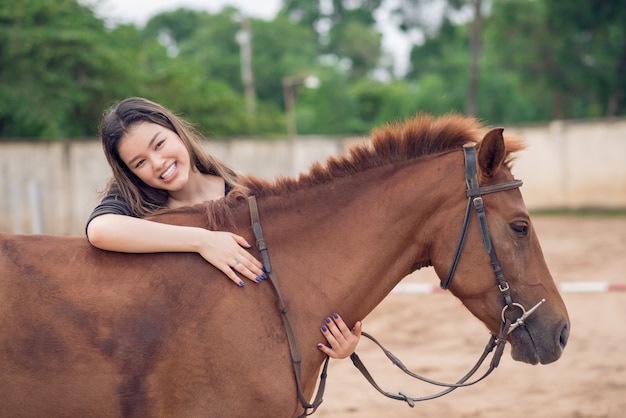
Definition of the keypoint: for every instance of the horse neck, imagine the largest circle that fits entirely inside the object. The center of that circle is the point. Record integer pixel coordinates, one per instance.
(344, 245)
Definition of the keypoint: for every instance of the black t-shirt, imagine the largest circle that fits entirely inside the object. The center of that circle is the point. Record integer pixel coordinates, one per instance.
(114, 203)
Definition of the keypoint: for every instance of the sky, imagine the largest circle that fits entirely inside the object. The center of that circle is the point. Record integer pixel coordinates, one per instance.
(140, 11)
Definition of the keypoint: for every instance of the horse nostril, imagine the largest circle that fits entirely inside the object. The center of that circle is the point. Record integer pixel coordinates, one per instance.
(564, 336)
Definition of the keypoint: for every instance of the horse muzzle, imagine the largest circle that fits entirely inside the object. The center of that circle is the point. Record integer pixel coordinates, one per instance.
(538, 341)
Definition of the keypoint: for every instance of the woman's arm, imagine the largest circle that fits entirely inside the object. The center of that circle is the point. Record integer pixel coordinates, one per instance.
(225, 250)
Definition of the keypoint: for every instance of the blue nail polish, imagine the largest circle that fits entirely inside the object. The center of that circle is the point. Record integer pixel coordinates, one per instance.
(319, 346)
(264, 269)
(258, 280)
(327, 319)
(324, 328)
(264, 276)
(241, 283)
(335, 316)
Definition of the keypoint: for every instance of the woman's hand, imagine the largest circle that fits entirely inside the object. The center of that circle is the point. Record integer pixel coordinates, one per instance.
(226, 251)
(341, 339)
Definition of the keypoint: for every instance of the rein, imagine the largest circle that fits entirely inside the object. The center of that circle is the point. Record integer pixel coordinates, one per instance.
(296, 360)
(474, 201)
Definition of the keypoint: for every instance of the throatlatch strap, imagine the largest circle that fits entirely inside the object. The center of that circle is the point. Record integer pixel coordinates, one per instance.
(296, 360)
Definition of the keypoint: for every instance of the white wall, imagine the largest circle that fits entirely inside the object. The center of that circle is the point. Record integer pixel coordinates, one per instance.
(566, 165)
(573, 164)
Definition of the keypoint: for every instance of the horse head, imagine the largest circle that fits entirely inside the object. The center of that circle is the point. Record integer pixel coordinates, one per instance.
(498, 270)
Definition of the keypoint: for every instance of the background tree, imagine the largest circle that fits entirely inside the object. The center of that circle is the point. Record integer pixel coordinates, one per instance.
(345, 29)
(439, 68)
(592, 46)
(519, 55)
(431, 17)
(56, 68)
(568, 56)
(208, 44)
(60, 65)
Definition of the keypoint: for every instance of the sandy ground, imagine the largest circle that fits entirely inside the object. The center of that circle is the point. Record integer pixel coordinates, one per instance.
(435, 336)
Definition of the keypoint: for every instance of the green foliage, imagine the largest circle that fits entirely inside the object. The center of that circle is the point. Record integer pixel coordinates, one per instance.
(358, 42)
(592, 46)
(207, 68)
(349, 30)
(328, 110)
(439, 67)
(379, 103)
(55, 64)
(61, 66)
(565, 55)
(280, 49)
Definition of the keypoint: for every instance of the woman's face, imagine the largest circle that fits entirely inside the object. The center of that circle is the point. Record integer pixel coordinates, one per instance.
(156, 155)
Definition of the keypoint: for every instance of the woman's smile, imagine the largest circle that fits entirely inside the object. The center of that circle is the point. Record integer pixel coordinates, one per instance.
(169, 173)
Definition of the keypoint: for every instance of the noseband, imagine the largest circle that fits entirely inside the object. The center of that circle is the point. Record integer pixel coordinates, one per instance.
(474, 201)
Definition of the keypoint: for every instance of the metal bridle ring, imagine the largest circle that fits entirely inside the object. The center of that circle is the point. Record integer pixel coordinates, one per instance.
(513, 304)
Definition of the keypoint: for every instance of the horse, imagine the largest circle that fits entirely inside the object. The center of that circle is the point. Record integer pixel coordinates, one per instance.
(86, 332)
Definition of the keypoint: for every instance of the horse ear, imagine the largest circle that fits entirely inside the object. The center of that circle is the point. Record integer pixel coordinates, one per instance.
(491, 152)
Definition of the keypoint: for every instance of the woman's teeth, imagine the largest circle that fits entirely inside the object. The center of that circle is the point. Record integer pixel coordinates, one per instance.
(168, 172)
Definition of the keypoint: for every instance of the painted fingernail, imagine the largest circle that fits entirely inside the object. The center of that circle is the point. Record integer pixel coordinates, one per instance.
(319, 346)
(327, 319)
(264, 276)
(258, 280)
(324, 328)
(241, 283)
(264, 269)
(335, 316)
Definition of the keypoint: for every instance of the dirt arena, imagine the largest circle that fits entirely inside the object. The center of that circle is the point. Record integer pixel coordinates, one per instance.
(435, 336)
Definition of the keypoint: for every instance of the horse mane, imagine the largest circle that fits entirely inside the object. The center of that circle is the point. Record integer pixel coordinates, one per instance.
(418, 136)
(421, 135)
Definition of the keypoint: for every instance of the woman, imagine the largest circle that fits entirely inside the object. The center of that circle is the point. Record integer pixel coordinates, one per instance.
(158, 162)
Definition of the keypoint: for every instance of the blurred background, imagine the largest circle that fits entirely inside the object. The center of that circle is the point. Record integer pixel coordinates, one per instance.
(276, 85)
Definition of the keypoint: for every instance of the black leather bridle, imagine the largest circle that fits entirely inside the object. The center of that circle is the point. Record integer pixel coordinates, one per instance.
(474, 201)
(474, 194)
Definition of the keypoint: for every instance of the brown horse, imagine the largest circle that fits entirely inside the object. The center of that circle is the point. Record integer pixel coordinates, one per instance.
(85, 332)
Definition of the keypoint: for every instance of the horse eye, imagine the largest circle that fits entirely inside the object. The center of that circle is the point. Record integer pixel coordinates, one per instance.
(520, 228)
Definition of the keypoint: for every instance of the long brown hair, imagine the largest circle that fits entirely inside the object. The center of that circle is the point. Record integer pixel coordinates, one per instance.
(116, 122)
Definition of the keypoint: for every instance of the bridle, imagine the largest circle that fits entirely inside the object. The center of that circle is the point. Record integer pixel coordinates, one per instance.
(474, 201)
(474, 194)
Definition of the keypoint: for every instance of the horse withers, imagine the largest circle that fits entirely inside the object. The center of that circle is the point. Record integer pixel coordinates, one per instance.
(85, 332)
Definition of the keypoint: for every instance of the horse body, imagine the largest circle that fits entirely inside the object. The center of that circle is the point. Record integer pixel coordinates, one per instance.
(127, 336)
(91, 333)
